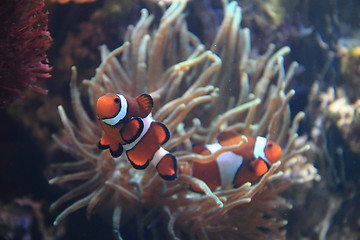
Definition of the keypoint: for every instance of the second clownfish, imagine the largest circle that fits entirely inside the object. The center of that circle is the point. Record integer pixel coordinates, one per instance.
(128, 126)
(235, 168)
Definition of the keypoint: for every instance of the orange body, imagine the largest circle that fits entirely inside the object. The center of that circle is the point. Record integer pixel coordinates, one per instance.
(247, 164)
(128, 126)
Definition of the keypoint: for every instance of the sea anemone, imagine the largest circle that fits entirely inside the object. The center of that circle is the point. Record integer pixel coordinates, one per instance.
(24, 40)
(198, 94)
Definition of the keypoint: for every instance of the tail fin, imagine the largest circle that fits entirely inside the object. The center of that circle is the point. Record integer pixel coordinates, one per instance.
(167, 167)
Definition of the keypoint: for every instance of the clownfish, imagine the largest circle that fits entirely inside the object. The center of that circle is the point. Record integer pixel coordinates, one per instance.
(235, 168)
(128, 126)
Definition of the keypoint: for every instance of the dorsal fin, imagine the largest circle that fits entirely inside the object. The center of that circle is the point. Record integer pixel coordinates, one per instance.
(146, 102)
(223, 136)
(201, 149)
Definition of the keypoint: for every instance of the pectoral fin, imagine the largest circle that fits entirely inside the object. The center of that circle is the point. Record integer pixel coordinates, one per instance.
(104, 142)
(132, 130)
(115, 147)
(116, 151)
(259, 167)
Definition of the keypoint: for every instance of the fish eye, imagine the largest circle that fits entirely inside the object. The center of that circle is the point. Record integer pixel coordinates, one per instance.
(117, 100)
(270, 145)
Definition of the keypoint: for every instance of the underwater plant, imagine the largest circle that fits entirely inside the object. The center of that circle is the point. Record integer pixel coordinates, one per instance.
(24, 40)
(198, 94)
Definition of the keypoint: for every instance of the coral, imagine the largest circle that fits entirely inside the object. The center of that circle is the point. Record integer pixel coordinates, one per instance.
(346, 118)
(76, 1)
(335, 148)
(23, 219)
(23, 44)
(104, 25)
(197, 93)
(335, 109)
(348, 52)
(274, 21)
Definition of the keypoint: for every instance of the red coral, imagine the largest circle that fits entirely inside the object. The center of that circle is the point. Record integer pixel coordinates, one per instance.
(24, 40)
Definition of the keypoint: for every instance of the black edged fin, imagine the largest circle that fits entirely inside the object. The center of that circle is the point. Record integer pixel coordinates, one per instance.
(162, 132)
(118, 152)
(146, 102)
(226, 135)
(138, 167)
(127, 133)
(103, 147)
(168, 159)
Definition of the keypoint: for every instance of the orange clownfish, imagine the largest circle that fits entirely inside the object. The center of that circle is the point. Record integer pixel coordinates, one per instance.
(235, 168)
(128, 126)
